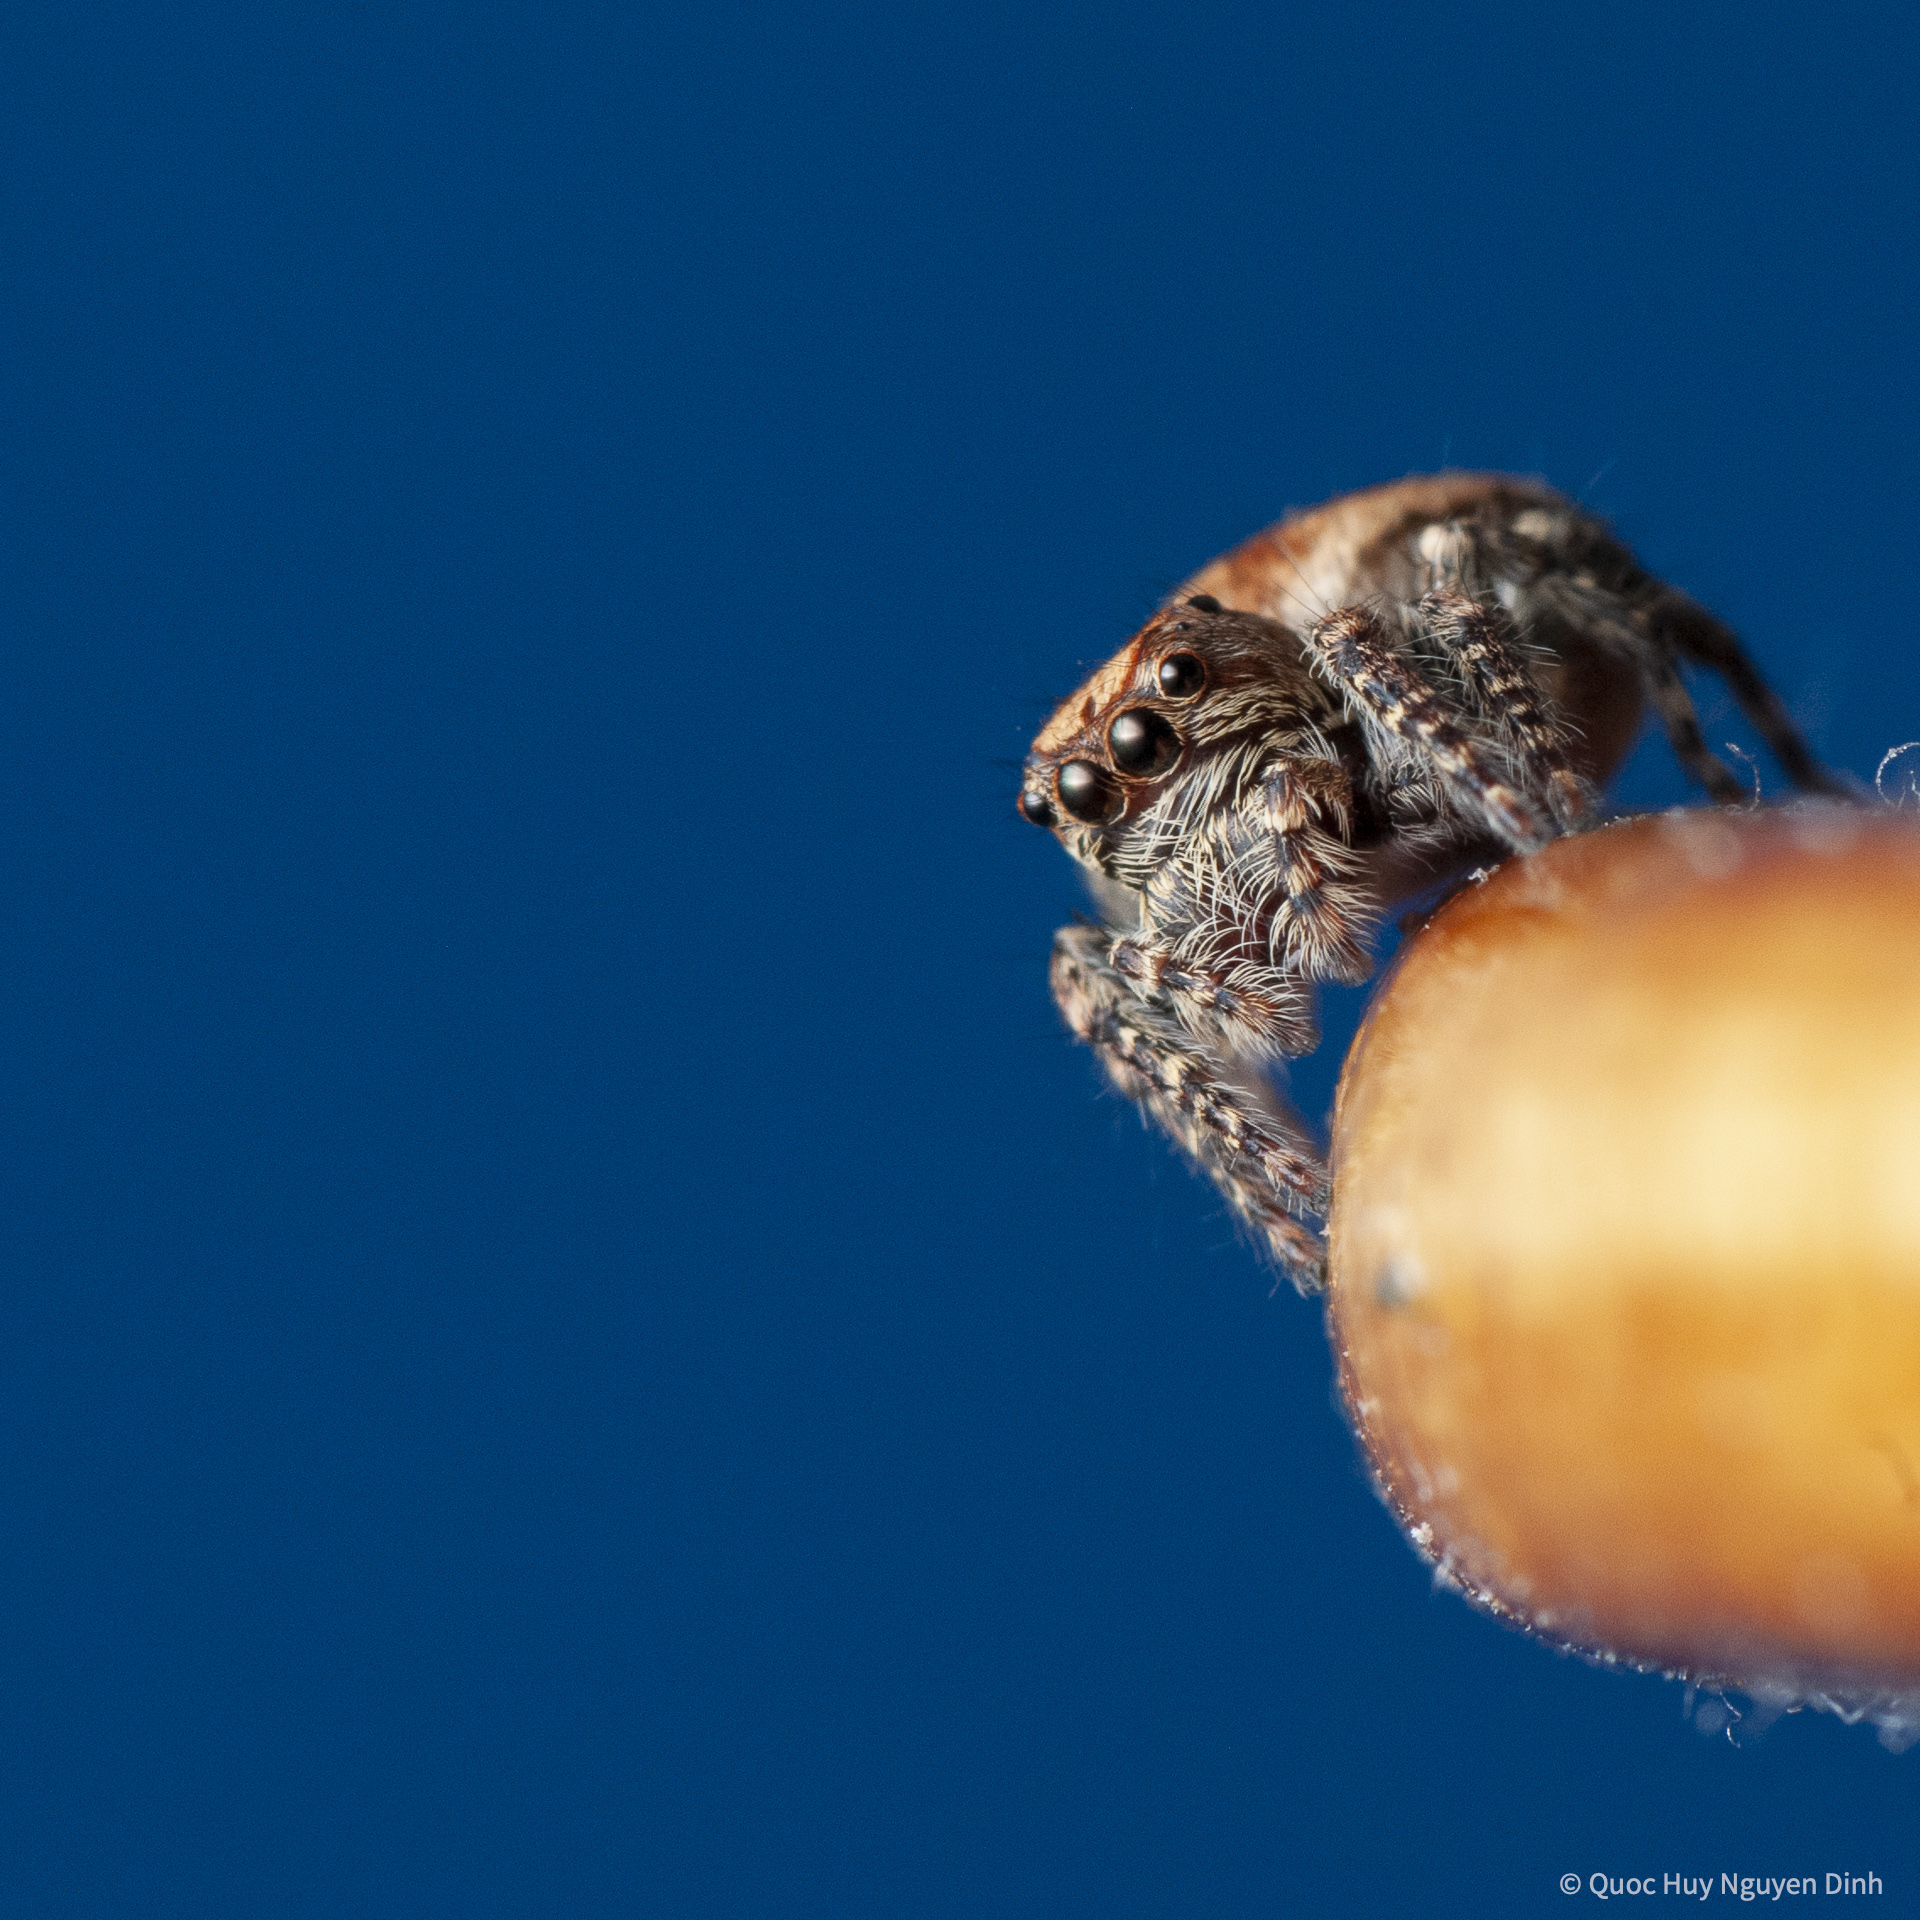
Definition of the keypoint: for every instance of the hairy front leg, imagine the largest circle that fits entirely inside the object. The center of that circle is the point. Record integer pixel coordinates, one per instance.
(1267, 1172)
(1481, 640)
(1352, 650)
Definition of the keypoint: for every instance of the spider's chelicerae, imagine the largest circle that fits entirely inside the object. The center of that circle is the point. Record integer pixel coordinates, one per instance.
(1349, 707)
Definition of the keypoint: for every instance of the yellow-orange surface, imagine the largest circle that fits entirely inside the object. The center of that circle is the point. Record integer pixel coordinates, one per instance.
(1626, 1243)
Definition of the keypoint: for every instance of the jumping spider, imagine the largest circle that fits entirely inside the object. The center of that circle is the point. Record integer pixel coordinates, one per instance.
(1353, 705)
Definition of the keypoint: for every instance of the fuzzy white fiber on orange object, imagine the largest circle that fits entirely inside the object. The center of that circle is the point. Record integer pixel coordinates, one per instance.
(1626, 1250)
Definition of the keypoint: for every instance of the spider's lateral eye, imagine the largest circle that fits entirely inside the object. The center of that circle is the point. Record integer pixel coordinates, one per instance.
(1182, 675)
(1206, 603)
(1036, 807)
(1085, 791)
(1142, 742)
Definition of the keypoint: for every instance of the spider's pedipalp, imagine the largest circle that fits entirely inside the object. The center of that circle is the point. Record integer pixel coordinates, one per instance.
(1253, 1010)
(1290, 839)
(1200, 947)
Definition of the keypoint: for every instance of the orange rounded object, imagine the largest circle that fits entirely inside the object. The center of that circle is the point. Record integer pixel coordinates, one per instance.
(1625, 1249)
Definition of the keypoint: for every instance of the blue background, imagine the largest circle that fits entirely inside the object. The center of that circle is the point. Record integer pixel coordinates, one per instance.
(574, 1338)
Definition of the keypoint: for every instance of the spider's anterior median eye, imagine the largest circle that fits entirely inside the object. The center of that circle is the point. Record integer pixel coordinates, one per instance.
(1181, 675)
(1085, 791)
(1206, 603)
(1035, 807)
(1141, 742)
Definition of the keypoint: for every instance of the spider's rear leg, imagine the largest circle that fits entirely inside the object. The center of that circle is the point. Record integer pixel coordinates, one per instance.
(1266, 1172)
(1482, 641)
(1691, 631)
(1657, 633)
(1674, 704)
(1351, 648)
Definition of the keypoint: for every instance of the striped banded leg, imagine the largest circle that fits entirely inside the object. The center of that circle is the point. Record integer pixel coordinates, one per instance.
(1691, 631)
(1669, 697)
(1610, 618)
(1265, 1171)
(1478, 637)
(1353, 652)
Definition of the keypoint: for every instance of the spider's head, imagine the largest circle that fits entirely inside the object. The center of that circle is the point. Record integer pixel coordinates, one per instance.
(1194, 679)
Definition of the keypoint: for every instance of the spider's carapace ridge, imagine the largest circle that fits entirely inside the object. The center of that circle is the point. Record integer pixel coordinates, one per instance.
(1354, 704)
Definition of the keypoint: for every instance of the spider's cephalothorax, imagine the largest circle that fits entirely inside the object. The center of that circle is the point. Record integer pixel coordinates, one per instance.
(1350, 706)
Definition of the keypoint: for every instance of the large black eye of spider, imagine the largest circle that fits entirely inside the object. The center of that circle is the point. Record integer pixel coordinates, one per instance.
(1141, 742)
(1206, 603)
(1182, 675)
(1035, 807)
(1085, 791)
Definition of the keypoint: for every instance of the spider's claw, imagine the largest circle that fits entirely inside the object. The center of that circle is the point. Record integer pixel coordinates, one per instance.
(1570, 800)
(1516, 821)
